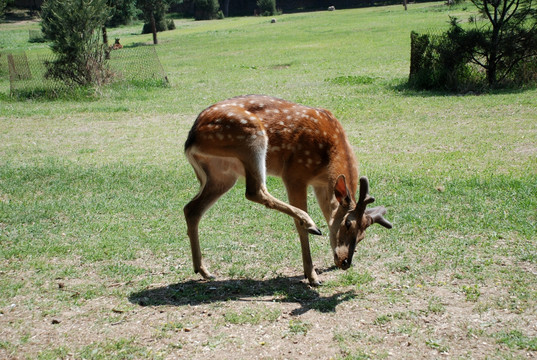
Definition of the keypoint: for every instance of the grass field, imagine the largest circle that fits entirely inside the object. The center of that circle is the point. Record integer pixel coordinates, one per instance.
(94, 258)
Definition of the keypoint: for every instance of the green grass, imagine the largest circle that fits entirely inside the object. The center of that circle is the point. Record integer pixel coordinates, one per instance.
(251, 315)
(92, 190)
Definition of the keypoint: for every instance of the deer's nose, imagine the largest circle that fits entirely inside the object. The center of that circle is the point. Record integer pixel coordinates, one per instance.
(345, 264)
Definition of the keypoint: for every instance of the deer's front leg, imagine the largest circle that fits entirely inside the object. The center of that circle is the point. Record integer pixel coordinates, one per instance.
(254, 166)
(309, 270)
(298, 197)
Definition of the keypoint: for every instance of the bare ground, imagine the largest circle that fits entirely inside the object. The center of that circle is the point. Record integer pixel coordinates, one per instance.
(273, 318)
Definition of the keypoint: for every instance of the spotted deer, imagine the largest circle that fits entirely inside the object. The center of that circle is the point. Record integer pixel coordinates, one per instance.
(252, 136)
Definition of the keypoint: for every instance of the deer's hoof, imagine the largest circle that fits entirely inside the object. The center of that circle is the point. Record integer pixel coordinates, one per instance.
(206, 275)
(315, 231)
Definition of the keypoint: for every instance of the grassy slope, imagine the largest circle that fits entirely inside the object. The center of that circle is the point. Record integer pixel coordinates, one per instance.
(91, 192)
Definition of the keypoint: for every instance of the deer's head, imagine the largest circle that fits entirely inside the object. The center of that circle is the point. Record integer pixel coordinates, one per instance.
(351, 220)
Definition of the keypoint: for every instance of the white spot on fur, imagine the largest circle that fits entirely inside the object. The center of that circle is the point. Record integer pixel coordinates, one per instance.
(244, 121)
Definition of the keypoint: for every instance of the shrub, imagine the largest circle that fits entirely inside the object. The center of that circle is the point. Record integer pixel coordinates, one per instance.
(73, 28)
(122, 12)
(500, 51)
(206, 9)
(170, 24)
(442, 62)
(267, 7)
(162, 25)
(3, 7)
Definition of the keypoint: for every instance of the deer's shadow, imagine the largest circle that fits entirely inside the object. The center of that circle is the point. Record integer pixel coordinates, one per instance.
(280, 289)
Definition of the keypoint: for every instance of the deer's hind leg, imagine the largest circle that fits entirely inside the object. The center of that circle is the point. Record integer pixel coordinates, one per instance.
(216, 176)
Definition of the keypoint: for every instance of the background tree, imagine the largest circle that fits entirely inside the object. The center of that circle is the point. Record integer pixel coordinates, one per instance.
(266, 7)
(122, 12)
(153, 12)
(3, 7)
(508, 39)
(73, 28)
(205, 9)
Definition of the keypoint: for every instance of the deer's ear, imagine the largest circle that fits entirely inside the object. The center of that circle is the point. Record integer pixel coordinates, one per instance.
(342, 192)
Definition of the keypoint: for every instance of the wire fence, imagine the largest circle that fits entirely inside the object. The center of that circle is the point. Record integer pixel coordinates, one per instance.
(27, 71)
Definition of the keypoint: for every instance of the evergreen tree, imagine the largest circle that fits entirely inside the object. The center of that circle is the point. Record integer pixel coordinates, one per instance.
(153, 11)
(73, 26)
(3, 6)
(122, 12)
(508, 39)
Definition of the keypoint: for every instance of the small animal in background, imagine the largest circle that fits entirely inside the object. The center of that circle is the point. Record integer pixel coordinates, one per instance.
(331, 8)
(117, 45)
(252, 136)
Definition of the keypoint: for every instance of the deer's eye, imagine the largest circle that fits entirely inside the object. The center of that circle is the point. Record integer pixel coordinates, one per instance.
(348, 223)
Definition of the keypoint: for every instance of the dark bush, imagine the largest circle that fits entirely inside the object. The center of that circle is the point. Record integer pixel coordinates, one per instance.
(122, 12)
(266, 7)
(206, 9)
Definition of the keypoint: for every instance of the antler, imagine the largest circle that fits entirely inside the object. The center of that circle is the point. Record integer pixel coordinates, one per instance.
(364, 199)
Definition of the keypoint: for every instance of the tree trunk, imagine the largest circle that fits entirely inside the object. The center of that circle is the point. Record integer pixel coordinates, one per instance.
(226, 8)
(105, 42)
(493, 56)
(154, 28)
(404, 4)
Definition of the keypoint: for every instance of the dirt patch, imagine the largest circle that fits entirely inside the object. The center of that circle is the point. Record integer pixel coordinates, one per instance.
(281, 318)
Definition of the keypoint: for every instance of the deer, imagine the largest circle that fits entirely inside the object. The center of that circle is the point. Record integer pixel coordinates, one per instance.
(117, 45)
(253, 136)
